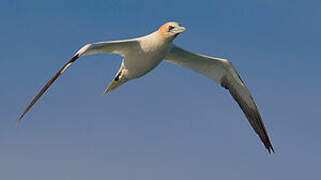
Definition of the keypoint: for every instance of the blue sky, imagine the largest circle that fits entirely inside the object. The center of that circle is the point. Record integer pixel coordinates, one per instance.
(171, 123)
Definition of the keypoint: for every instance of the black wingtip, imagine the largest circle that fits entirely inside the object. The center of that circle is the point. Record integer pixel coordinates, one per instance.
(271, 149)
(46, 86)
(269, 146)
(20, 118)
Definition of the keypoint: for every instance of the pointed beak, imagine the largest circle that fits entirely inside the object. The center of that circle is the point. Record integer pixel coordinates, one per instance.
(179, 29)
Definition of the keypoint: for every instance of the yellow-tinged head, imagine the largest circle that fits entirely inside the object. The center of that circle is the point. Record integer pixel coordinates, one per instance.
(170, 30)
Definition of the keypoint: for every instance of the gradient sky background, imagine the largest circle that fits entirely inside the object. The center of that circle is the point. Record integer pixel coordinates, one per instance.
(171, 123)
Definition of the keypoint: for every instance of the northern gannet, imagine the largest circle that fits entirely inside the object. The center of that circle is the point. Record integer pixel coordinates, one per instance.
(143, 54)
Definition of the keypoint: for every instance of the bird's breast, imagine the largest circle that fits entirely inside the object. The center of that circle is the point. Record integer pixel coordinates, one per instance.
(143, 60)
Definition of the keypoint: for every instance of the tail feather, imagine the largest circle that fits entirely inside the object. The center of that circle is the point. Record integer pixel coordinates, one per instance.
(113, 85)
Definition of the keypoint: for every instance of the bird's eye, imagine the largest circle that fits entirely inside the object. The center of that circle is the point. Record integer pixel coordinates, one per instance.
(170, 28)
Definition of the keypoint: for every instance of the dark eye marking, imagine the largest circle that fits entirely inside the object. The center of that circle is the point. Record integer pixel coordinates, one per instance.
(170, 28)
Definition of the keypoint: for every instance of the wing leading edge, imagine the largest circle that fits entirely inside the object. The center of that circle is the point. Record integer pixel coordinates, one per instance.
(221, 71)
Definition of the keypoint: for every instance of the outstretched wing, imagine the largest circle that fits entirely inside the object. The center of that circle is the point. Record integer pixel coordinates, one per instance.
(221, 71)
(116, 47)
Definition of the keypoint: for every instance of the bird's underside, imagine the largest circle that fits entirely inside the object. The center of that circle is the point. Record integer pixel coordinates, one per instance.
(157, 46)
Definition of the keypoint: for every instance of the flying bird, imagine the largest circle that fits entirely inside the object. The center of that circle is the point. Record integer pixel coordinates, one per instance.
(143, 54)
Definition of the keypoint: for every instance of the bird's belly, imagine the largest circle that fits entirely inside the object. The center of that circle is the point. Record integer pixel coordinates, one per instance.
(138, 66)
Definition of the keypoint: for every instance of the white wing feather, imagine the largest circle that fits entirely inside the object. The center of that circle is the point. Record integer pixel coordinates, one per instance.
(221, 71)
(117, 47)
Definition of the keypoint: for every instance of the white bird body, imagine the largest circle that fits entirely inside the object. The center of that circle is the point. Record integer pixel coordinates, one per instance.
(147, 54)
(141, 55)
